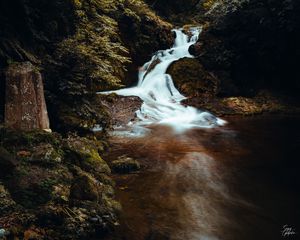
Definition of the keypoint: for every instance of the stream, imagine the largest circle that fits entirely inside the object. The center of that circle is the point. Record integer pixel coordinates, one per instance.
(161, 100)
(237, 182)
(202, 177)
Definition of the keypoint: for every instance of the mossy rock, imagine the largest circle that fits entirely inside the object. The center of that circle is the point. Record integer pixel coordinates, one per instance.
(46, 154)
(14, 140)
(84, 153)
(85, 188)
(125, 164)
(192, 79)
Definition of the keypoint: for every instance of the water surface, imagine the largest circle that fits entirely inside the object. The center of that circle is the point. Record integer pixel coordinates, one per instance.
(240, 181)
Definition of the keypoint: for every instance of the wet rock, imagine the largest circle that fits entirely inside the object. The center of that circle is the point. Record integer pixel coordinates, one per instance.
(7, 162)
(195, 49)
(25, 106)
(121, 109)
(192, 79)
(84, 188)
(125, 164)
(153, 64)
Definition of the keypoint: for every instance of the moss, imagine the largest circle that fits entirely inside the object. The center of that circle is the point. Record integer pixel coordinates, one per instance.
(95, 162)
(113, 204)
(84, 188)
(85, 153)
(15, 140)
(94, 55)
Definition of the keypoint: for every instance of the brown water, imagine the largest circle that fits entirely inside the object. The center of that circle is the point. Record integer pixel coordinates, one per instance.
(239, 182)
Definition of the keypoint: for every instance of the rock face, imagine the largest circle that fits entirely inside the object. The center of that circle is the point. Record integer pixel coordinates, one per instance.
(25, 106)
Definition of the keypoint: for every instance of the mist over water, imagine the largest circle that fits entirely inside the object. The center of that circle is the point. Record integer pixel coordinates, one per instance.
(161, 99)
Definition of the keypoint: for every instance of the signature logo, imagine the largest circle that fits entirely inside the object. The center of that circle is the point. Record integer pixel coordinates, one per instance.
(288, 231)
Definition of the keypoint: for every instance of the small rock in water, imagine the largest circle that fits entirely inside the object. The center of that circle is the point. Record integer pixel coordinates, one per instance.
(125, 164)
(211, 119)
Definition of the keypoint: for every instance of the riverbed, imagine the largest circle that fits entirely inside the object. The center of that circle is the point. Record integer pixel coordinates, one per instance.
(237, 181)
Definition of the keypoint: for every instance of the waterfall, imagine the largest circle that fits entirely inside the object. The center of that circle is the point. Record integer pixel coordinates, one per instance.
(161, 99)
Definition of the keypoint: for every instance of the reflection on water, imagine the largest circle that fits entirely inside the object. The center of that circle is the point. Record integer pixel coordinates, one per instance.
(237, 182)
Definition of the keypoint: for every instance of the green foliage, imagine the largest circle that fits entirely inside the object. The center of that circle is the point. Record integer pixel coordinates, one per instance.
(94, 56)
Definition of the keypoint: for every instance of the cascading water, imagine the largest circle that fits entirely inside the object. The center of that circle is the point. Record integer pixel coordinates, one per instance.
(161, 100)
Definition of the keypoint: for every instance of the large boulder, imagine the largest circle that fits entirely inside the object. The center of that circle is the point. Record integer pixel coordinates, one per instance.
(191, 79)
(25, 106)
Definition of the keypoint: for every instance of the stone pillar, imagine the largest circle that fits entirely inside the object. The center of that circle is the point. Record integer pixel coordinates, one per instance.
(25, 106)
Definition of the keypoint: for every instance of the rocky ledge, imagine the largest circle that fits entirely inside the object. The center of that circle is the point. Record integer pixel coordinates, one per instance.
(204, 90)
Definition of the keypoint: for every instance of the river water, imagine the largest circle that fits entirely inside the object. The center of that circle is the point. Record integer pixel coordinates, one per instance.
(239, 181)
